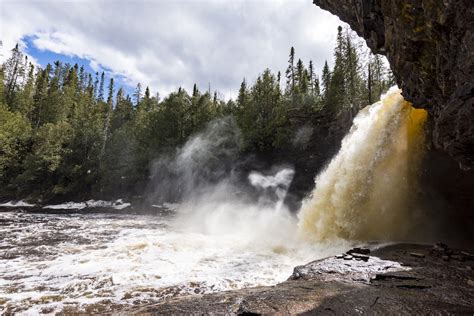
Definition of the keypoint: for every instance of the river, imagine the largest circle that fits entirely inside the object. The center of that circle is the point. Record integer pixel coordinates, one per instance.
(49, 262)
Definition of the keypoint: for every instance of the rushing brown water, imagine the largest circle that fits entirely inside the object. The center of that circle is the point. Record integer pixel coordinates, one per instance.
(366, 190)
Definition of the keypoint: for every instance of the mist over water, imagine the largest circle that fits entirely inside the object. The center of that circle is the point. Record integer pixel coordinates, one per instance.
(203, 161)
(218, 199)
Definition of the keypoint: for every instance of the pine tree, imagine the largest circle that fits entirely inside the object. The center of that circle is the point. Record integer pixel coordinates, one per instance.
(326, 77)
(316, 86)
(123, 111)
(290, 73)
(25, 105)
(194, 108)
(111, 90)
(378, 78)
(108, 117)
(14, 70)
(137, 95)
(242, 97)
(96, 86)
(54, 109)
(147, 93)
(2, 85)
(301, 78)
(336, 94)
(82, 79)
(39, 96)
(100, 96)
(90, 86)
(311, 77)
(355, 86)
(214, 99)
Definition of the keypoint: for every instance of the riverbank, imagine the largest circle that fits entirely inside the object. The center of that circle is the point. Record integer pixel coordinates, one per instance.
(431, 279)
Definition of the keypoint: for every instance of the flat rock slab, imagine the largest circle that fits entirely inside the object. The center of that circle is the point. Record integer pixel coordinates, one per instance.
(391, 281)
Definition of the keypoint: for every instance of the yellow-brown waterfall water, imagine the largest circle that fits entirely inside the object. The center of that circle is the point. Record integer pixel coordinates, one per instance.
(366, 191)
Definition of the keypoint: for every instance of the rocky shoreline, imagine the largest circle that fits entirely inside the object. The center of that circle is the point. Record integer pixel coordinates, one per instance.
(394, 279)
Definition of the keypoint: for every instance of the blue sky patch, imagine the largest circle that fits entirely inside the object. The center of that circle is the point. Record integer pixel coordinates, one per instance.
(45, 56)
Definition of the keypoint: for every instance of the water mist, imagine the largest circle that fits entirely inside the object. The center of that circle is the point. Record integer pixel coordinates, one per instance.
(218, 198)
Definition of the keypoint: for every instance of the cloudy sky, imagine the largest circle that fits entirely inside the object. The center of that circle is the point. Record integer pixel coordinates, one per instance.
(170, 43)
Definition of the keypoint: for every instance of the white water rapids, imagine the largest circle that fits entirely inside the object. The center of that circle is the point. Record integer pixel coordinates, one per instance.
(49, 262)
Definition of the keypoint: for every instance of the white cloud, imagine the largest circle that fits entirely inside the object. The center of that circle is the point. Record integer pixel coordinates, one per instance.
(167, 44)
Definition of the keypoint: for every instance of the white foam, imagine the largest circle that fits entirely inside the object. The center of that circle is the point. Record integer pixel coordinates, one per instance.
(118, 205)
(20, 203)
(143, 256)
(67, 206)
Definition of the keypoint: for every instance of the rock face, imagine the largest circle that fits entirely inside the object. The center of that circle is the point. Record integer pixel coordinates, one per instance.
(430, 47)
(389, 282)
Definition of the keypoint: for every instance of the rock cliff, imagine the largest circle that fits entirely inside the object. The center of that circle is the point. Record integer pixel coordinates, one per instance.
(430, 47)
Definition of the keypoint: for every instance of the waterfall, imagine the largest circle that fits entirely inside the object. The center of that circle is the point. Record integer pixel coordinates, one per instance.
(367, 190)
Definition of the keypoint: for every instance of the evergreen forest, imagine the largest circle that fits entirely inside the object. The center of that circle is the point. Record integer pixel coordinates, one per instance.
(66, 133)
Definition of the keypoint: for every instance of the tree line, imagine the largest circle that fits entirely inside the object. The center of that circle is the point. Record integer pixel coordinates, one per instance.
(65, 132)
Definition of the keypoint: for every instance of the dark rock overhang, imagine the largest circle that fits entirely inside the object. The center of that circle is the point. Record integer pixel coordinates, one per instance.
(430, 47)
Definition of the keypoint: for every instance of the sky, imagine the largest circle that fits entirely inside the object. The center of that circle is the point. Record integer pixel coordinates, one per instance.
(165, 44)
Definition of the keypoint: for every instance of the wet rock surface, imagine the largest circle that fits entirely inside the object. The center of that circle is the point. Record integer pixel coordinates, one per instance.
(430, 47)
(391, 281)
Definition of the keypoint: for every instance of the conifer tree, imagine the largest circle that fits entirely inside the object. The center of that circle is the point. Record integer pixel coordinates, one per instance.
(290, 72)
(2, 84)
(123, 110)
(355, 86)
(301, 78)
(111, 90)
(25, 105)
(96, 86)
(147, 93)
(100, 96)
(311, 77)
(82, 79)
(137, 94)
(14, 70)
(326, 77)
(378, 80)
(335, 98)
(316, 86)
